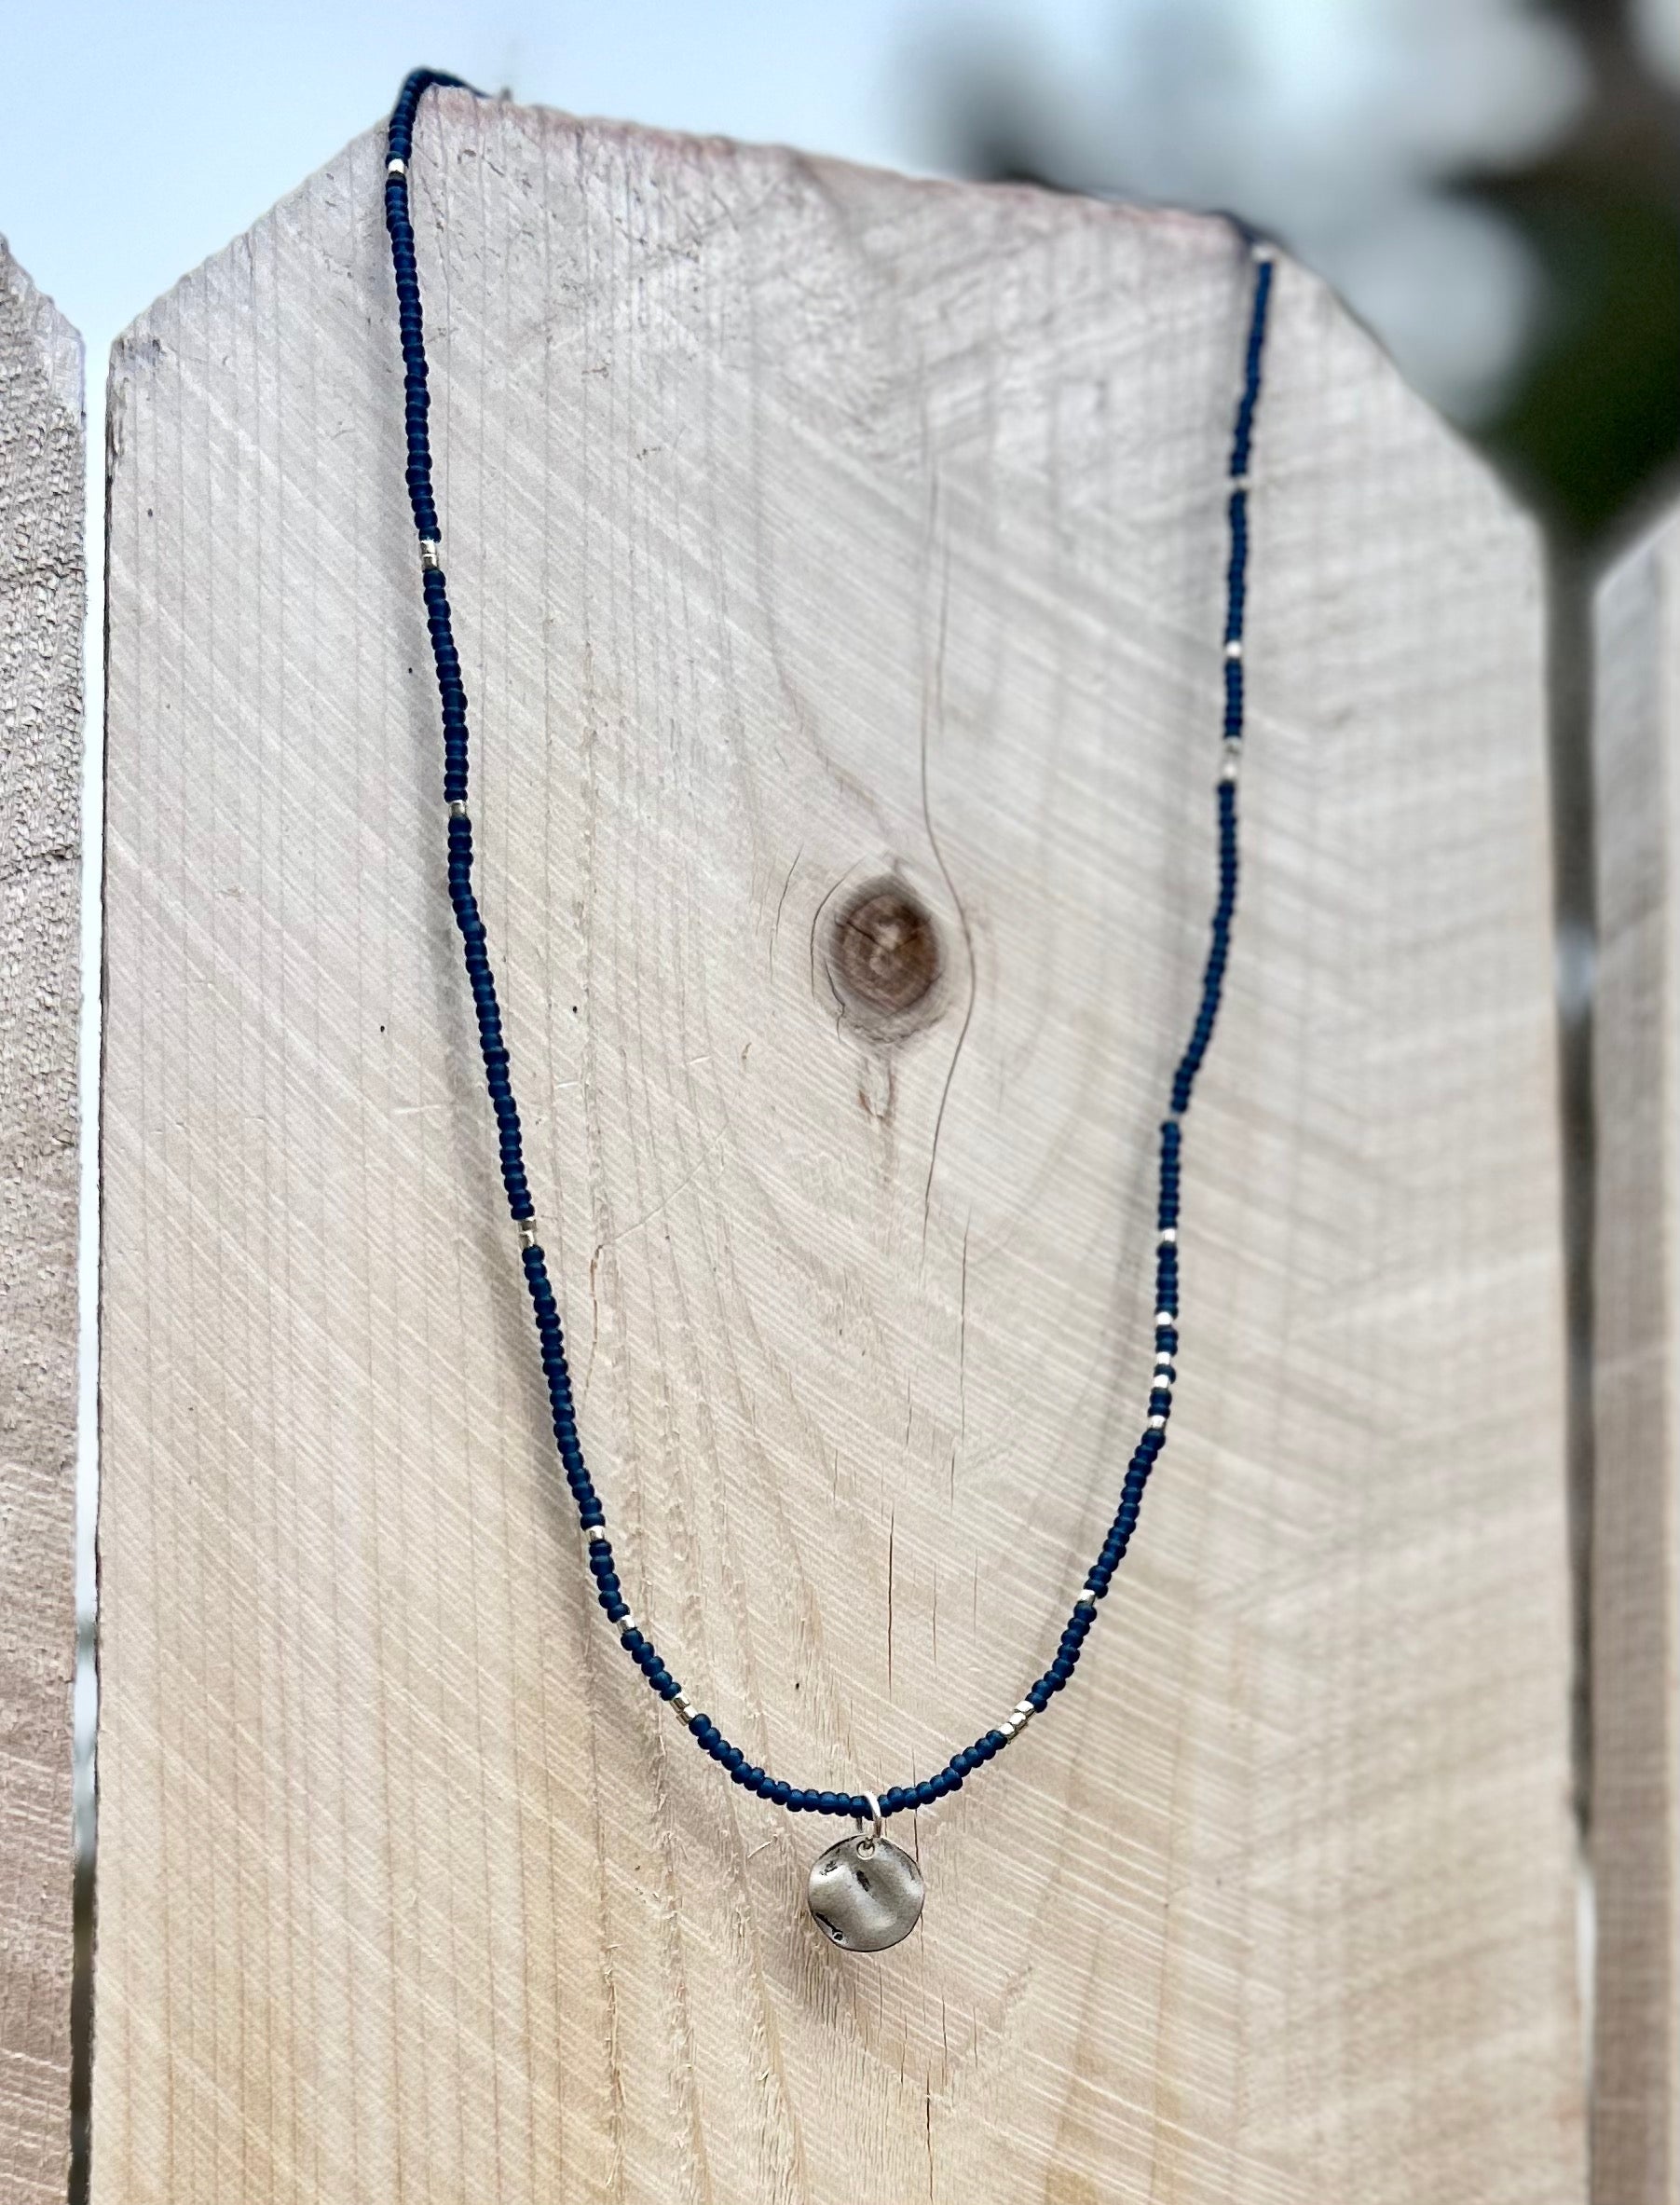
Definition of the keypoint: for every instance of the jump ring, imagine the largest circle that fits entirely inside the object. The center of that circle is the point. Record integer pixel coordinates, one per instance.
(877, 1822)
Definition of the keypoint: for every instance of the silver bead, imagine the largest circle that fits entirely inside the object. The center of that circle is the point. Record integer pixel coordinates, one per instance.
(1087, 1601)
(682, 1708)
(1023, 1712)
(396, 166)
(1264, 252)
(1242, 482)
(626, 1624)
(457, 807)
(1169, 1237)
(1158, 1424)
(1231, 767)
(1163, 1319)
(1234, 649)
(527, 1232)
(1008, 1730)
(431, 554)
(598, 1535)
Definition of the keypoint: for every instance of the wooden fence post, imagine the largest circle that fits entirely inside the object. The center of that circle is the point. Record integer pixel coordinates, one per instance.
(1636, 1497)
(810, 528)
(42, 497)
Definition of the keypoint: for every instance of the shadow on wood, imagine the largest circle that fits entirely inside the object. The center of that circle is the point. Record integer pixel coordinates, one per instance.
(1636, 1535)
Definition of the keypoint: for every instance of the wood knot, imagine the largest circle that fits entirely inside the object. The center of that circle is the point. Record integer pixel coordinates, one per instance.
(883, 955)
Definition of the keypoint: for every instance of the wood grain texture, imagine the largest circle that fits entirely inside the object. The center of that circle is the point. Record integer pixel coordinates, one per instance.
(806, 527)
(42, 593)
(1636, 1495)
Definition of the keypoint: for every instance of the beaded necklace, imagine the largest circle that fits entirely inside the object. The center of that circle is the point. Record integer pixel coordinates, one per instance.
(865, 1892)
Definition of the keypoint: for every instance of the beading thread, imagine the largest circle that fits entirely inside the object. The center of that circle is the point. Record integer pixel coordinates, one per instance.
(481, 980)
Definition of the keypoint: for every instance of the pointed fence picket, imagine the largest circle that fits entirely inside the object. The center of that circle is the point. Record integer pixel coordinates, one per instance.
(808, 529)
(41, 608)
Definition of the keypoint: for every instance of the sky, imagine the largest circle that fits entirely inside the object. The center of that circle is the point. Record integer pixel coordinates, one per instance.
(145, 137)
(152, 135)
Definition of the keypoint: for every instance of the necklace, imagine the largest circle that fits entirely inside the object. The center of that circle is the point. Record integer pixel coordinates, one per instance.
(865, 1892)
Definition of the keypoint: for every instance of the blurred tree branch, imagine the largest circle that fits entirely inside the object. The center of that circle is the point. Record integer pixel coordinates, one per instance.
(1595, 426)
(1589, 426)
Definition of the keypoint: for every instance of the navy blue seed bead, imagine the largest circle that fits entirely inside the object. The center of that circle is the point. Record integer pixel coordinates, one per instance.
(453, 708)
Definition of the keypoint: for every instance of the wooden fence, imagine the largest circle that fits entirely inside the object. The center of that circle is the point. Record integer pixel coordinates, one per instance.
(813, 531)
(41, 608)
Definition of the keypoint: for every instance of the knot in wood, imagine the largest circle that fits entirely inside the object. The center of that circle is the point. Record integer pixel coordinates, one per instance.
(885, 952)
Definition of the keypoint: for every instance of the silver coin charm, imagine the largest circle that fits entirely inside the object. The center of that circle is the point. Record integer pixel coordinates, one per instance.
(866, 1893)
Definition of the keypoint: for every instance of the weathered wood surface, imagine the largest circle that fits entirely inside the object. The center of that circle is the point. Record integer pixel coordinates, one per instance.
(42, 497)
(1636, 1480)
(807, 526)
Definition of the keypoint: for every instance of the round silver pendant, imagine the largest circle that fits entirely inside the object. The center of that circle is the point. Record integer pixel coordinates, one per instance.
(865, 1894)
